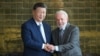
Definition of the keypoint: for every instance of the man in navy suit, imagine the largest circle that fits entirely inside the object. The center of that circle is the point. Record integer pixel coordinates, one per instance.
(36, 33)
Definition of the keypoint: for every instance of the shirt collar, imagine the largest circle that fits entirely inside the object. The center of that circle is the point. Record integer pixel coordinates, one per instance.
(38, 23)
(63, 27)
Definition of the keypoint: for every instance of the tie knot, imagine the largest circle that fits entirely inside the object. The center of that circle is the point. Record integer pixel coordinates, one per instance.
(61, 30)
(39, 25)
(61, 33)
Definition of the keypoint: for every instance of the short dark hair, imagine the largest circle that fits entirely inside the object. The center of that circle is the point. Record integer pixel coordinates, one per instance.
(39, 5)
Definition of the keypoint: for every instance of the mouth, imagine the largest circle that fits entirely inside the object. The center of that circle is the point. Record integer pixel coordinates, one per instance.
(40, 17)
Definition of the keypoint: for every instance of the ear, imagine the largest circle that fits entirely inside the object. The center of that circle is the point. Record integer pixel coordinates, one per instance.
(33, 12)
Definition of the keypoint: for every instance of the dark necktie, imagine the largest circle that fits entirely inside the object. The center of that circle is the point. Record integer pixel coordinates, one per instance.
(61, 33)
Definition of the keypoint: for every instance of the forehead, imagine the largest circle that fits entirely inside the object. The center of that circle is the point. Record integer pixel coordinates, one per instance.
(40, 8)
(60, 15)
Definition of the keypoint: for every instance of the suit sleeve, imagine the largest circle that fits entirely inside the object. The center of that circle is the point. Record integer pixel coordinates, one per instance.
(74, 41)
(27, 39)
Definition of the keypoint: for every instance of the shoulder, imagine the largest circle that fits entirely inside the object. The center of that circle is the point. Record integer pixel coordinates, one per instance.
(46, 24)
(74, 27)
(26, 23)
(55, 30)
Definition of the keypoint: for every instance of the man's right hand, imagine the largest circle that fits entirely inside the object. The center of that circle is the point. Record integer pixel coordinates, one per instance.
(48, 47)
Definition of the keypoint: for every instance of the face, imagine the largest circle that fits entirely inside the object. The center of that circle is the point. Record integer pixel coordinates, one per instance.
(39, 14)
(61, 19)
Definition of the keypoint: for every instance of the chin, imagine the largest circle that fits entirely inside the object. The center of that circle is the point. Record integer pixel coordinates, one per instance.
(40, 20)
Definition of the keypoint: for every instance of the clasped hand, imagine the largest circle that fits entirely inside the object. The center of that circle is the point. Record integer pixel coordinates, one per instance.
(49, 47)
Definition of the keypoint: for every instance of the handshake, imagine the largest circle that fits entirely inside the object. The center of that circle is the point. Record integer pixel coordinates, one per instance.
(49, 47)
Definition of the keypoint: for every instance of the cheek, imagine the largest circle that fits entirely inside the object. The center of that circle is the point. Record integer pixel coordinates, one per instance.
(37, 14)
(44, 14)
(60, 22)
(65, 21)
(57, 22)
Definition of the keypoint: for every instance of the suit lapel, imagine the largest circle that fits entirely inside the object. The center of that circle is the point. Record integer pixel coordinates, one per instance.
(65, 32)
(45, 31)
(57, 39)
(36, 30)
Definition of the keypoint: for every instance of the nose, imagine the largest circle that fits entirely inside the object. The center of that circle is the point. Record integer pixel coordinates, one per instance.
(59, 21)
(41, 14)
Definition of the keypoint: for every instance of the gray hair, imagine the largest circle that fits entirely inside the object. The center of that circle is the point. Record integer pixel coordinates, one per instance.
(63, 12)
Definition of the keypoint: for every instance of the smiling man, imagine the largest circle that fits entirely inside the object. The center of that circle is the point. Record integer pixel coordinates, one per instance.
(65, 37)
(35, 33)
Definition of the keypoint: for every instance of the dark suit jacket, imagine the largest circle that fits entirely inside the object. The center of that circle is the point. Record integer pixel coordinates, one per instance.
(69, 45)
(33, 40)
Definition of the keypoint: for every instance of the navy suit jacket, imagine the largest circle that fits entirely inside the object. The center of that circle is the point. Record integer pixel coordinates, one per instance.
(33, 39)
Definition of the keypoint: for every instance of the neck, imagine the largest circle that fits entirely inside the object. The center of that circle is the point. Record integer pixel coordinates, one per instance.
(36, 19)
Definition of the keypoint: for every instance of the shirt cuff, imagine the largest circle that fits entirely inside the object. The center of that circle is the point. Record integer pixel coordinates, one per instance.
(56, 48)
(43, 45)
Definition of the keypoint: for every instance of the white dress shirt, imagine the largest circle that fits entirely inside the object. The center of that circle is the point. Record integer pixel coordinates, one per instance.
(42, 32)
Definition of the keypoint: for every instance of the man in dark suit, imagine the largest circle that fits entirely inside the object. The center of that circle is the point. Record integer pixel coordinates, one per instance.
(65, 37)
(35, 33)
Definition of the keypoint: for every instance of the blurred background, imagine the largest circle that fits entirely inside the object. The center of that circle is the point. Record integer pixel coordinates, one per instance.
(84, 13)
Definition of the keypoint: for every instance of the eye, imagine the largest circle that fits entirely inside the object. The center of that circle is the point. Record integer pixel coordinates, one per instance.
(61, 18)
